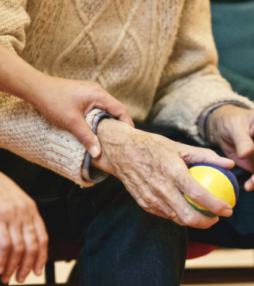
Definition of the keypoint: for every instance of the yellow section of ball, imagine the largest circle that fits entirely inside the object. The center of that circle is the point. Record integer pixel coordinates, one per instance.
(215, 182)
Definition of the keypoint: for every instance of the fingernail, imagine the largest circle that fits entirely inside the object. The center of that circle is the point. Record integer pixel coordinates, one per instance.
(94, 151)
(227, 212)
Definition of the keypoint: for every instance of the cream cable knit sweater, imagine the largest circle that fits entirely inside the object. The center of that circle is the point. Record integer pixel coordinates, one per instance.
(156, 56)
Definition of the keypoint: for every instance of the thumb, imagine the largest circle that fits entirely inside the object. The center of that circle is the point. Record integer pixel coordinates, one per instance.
(242, 140)
(85, 135)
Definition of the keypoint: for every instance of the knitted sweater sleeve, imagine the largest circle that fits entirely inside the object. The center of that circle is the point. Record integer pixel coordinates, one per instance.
(191, 81)
(23, 130)
(13, 21)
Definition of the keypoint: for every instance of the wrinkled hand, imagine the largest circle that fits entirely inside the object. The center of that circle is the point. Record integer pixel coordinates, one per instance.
(232, 128)
(65, 102)
(154, 171)
(23, 237)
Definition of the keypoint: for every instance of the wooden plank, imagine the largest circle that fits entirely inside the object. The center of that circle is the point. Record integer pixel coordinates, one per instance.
(218, 275)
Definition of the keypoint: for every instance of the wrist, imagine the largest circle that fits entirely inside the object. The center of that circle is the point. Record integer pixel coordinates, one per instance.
(113, 135)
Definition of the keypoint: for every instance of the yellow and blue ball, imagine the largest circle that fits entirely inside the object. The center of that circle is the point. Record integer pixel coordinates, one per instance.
(219, 181)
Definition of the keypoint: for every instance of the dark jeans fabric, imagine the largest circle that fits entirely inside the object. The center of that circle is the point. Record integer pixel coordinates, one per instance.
(236, 231)
(125, 245)
(122, 244)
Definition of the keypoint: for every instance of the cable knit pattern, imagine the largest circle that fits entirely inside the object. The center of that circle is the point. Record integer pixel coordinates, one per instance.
(156, 56)
(24, 132)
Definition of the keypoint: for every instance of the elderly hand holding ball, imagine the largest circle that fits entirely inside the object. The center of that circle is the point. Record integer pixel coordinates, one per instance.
(231, 128)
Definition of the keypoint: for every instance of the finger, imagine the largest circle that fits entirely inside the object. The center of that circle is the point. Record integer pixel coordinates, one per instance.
(249, 184)
(242, 140)
(187, 215)
(31, 250)
(155, 206)
(198, 194)
(5, 245)
(194, 155)
(80, 129)
(15, 253)
(42, 239)
(115, 108)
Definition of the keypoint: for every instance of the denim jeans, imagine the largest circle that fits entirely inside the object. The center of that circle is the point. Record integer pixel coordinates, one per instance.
(123, 244)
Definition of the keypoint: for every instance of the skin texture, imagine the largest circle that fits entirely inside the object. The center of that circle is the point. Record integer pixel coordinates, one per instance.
(154, 171)
(24, 240)
(232, 128)
(61, 101)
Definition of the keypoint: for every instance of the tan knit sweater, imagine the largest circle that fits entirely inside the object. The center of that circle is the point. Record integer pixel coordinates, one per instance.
(156, 56)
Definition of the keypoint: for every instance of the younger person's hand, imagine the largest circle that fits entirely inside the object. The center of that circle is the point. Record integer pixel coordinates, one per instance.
(61, 101)
(65, 102)
(23, 236)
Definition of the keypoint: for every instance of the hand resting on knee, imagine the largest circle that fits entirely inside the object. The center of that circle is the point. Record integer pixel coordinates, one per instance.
(24, 240)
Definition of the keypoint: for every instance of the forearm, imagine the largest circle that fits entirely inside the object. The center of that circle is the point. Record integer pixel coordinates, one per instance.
(18, 77)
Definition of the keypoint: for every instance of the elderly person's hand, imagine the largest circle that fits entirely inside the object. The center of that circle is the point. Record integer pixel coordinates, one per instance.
(154, 171)
(63, 102)
(232, 128)
(24, 240)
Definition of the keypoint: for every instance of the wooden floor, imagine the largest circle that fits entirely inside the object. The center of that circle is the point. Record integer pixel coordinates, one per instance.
(217, 259)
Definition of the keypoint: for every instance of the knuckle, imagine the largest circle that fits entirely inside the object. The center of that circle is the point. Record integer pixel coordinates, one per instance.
(156, 204)
(23, 207)
(19, 247)
(148, 198)
(188, 219)
(70, 119)
(33, 248)
(176, 172)
(194, 195)
(124, 109)
(141, 203)
(5, 244)
(32, 205)
(44, 240)
(7, 212)
(209, 152)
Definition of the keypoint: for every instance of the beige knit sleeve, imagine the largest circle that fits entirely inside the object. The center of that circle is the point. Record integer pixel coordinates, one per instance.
(26, 133)
(23, 130)
(191, 81)
(13, 21)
